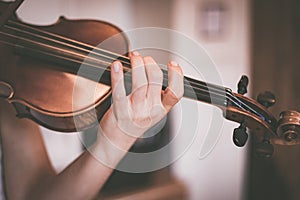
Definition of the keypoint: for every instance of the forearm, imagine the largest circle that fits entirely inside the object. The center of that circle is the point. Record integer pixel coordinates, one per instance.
(81, 180)
(86, 175)
(29, 175)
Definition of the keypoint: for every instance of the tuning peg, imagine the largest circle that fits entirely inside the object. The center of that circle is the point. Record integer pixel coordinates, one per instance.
(243, 84)
(240, 135)
(288, 127)
(264, 149)
(266, 99)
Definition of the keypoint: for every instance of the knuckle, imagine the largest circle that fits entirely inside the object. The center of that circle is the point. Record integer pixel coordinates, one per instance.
(177, 69)
(139, 90)
(148, 59)
(171, 97)
(117, 97)
(137, 62)
(156, 74)
(176, 92)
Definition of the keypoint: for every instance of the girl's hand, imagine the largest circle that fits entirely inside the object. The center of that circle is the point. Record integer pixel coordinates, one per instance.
(130, 116)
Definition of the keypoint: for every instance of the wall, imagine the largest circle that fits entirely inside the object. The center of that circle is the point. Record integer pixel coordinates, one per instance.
(221, 174)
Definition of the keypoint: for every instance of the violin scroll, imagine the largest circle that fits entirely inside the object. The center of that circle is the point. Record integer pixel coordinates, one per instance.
(288, 128)
(254, 115)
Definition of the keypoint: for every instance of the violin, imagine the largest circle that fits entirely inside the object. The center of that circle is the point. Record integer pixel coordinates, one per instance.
(36, 59)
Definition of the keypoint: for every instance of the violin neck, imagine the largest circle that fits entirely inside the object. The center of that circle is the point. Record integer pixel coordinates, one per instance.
(204, 92)
(194, 89)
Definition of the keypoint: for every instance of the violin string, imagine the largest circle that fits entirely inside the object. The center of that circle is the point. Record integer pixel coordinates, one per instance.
(192, 90)
(73, 41)
(247, 106)
(29, 41)
(195, 91)
(187, 82)
(7, 43)
(58, 38)
(65, 39)
(107, 64)
(101, 62)
(54, 47)
(112, 59)
(89, 48)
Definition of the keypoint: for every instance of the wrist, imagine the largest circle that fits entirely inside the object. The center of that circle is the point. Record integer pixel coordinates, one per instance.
(116, 137)
(110, 150)
(109, 128)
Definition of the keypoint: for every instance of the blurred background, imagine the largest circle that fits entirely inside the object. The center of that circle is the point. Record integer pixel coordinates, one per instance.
(259, 39)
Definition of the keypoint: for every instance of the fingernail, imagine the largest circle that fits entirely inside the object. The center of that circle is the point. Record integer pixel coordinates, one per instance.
(116, 66)
(174, 63)
(135, 53)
